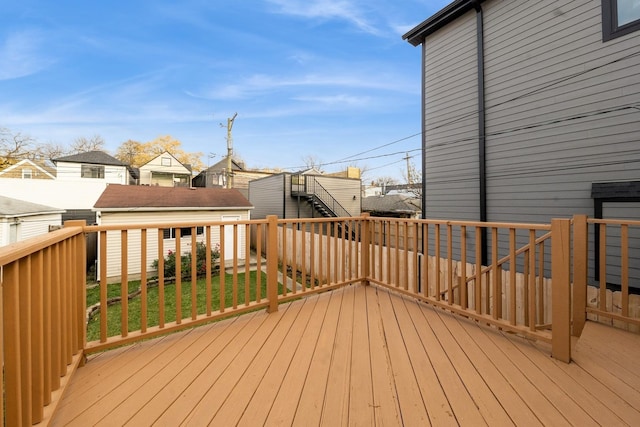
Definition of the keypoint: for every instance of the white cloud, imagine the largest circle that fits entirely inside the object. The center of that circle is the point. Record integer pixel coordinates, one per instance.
(262, 84)
(327, 10)
(21, 55)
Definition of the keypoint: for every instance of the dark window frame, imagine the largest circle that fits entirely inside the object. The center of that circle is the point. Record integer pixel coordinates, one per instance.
(87, 171)
(610, 28)
(170, 233)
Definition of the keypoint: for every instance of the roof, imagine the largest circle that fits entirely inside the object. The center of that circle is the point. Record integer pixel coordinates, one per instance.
(41, 165)
(10, 207)
(91, 157)
(450, 13)
(142, 197)
(399, 203)
(222, 165)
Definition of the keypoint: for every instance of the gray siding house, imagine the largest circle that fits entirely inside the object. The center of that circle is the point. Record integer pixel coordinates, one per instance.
(531, 110)
(304, 195)
(527, 105)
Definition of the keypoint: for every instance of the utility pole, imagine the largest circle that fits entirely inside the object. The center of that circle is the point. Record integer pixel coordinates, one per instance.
(229, 150)
(409, 174)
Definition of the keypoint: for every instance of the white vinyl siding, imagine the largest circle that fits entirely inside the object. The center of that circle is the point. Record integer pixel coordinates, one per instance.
(451, 122)
(17, 229)
(556, 99)
(73, 172)
(134, 237)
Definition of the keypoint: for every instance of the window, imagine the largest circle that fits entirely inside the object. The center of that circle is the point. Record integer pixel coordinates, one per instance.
(92, 171)
(170, 233)
(619, 17)
(27, 173)
(165, 161)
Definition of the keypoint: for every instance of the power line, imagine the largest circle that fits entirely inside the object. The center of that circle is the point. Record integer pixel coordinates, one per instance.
(540, 89)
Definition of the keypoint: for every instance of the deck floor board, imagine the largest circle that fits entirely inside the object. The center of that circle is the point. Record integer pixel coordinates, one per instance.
(359, 355)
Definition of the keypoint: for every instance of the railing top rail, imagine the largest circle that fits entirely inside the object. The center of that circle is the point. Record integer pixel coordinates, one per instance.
(515, 225)
(164, 225)
(16, 251)
(613, 221)
(316, 220)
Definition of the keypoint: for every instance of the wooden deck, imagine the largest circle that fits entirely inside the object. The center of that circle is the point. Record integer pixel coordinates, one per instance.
(358, 356)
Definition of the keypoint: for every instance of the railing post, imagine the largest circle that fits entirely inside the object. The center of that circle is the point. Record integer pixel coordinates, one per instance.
(272, 263)
(80, 279)
(580, 254)
(365, 243)
(561, 295)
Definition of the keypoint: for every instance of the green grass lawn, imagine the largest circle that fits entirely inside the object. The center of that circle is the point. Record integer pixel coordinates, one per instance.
(134, 309)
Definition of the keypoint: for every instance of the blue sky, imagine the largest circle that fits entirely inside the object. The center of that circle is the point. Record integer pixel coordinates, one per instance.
(308, 78)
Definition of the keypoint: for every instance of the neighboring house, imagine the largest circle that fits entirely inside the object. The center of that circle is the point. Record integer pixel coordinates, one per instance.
(29, 169)
(215, 176)
(93, 165)
(371, 190)
(551, 108)
(129, 204)
(165, 171)
(305, 195)
(531, 110)
(20, 220)
(392, 205)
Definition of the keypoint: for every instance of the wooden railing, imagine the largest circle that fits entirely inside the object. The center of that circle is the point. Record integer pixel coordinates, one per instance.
(291, 258)
(436, 262)
(42, 323)
(523, 287)
(606, 271)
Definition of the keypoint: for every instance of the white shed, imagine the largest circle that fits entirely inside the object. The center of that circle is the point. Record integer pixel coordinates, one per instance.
(21, 220)
(125, 204)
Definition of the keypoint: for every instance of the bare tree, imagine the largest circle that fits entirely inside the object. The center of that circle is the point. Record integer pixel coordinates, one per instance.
(83, 145)
(384, 181)
(14, 147)
(51, 150)
(413, 178)
(312, 161)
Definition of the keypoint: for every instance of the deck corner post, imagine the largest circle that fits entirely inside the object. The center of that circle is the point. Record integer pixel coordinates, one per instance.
(365, 248)
(272, 263)
(561, 295)
(580, 254)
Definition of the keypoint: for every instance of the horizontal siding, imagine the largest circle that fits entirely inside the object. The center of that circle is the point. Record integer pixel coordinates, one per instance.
(114, 269)
(266, 195)
(345, 191)
(451, 169)
(559, 113)
(37, 225)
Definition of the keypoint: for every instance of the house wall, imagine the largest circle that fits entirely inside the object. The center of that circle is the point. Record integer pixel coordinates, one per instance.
(134, 237)
(345, 190)
(17, 172)
(451, 122)
(73, 172)
(80, 194)
(267, 196)
(550, 56)
(149, 173)
(558, 111)
(272, 196)
(28, 226)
